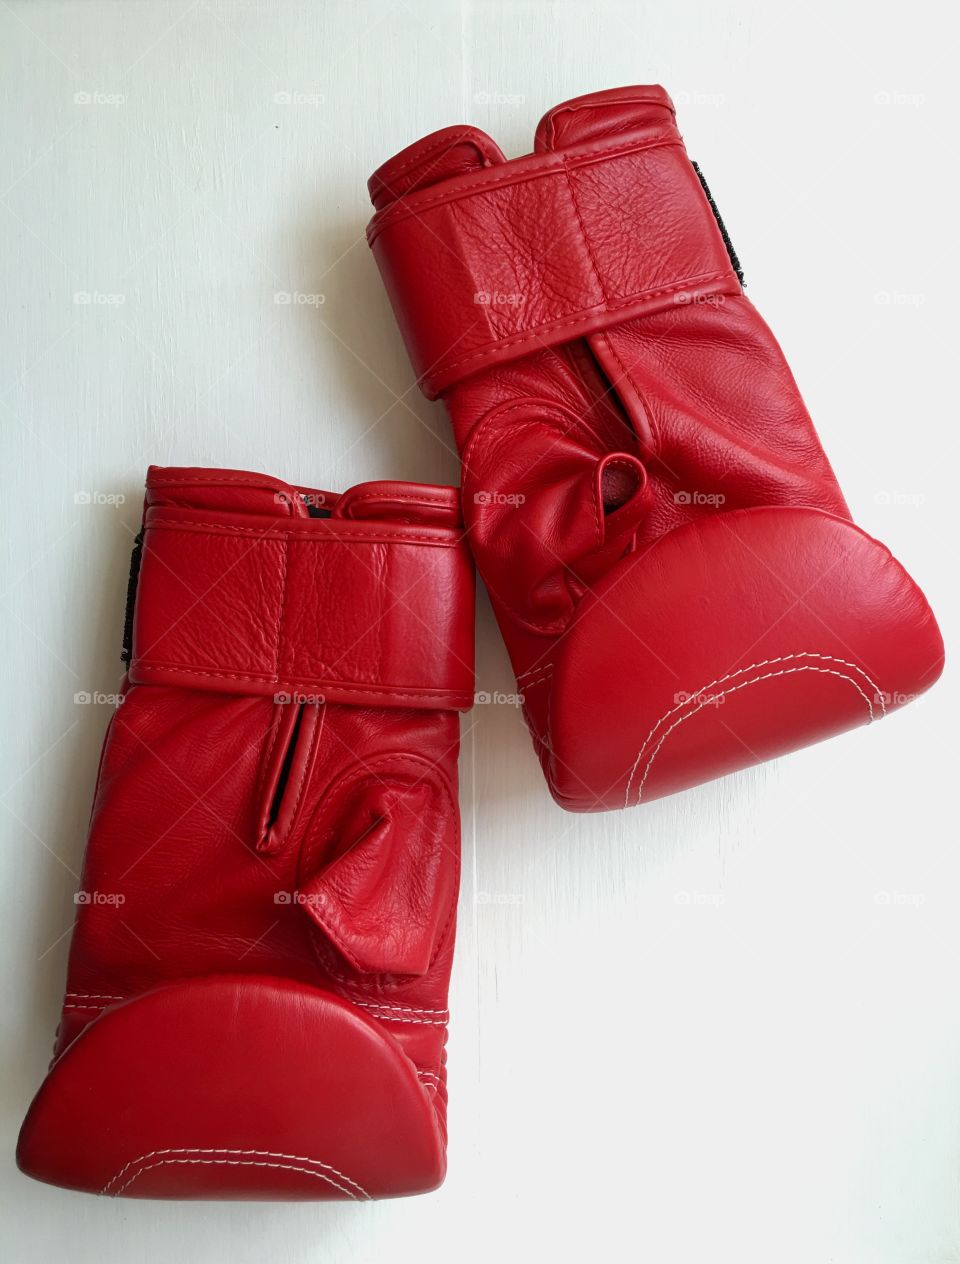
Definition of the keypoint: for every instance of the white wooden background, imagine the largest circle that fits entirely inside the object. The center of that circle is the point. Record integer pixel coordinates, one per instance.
(721, 1028)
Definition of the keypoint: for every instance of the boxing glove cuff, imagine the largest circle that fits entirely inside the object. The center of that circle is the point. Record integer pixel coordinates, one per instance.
(564, 260)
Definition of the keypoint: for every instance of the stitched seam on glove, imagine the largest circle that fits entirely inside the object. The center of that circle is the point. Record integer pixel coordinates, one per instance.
(752, 681)
(234, 1162)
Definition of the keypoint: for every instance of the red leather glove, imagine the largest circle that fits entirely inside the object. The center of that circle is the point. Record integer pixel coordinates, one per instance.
(257, 989)
(669, 556)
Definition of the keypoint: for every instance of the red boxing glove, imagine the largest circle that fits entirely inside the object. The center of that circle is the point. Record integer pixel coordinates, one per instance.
(257, 988)
(669, 556)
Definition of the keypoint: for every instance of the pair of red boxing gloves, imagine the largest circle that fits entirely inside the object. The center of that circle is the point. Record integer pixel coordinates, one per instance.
(257, 987)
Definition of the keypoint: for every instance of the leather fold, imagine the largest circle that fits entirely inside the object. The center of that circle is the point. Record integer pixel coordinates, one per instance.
(374, 867)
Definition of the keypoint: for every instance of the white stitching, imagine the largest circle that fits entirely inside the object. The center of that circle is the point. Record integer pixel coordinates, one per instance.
(535, 671)
(288, 1167)
(267, 1154)
(406, 1009)
(93, 996)
(532, 684)
(430, 1079)
(419, 1022)
(764, 662)
(787, 671)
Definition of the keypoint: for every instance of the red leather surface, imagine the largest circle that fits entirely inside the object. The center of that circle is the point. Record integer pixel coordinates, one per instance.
(256, 1000)
(563, 260)
(221, 1087)
(632, 474)
(262, 635)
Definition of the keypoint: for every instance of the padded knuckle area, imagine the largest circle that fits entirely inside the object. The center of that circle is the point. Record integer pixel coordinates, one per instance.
(234, 1086)
(814, 629)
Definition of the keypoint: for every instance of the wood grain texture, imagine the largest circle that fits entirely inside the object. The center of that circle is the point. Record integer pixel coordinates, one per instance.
(723, 1027)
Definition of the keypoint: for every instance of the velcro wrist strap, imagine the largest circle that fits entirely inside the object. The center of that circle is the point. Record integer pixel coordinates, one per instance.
(497, 264)
(321, 609)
